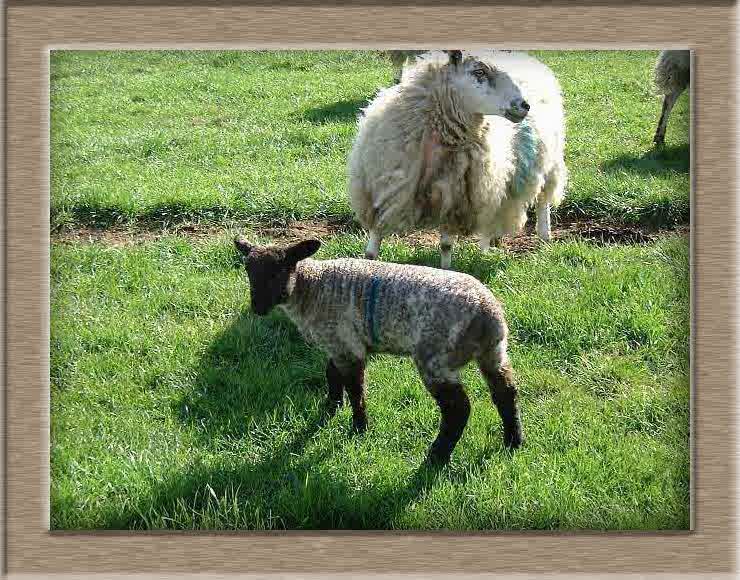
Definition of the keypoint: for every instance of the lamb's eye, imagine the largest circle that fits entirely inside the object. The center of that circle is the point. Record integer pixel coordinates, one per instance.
(479, 73)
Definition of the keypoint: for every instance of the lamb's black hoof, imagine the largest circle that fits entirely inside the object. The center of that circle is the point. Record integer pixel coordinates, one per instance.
(359, 426)
(439, 454)
(513, 438)
(436, 460)
(332, 407)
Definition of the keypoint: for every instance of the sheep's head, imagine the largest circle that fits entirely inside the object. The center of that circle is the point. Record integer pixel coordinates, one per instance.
(271, 271)
(485, 89)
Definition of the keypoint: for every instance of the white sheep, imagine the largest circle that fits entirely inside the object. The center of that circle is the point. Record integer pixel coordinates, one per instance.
(466, 143)
(352, 308)
(672, 76)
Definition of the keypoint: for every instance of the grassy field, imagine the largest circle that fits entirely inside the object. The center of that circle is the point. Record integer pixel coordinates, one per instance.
(160, 138)
(173, 407)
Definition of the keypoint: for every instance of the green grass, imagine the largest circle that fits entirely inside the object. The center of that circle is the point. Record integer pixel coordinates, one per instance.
(174, 407)
(168, 137)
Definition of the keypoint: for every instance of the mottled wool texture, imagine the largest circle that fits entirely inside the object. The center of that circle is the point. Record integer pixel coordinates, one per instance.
(443, 319)
(673, 71)
(421, 160)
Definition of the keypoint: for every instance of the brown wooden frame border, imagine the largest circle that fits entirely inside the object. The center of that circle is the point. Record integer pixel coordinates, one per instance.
(33, 28)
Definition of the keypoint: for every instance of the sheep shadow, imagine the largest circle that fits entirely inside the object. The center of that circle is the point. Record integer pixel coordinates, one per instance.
(243, 391)
(291, 489)
(668, 159)
(237, 385)
(339, 112)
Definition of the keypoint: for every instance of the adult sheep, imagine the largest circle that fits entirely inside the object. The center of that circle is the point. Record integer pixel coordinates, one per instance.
(672, 76)
(465, 143)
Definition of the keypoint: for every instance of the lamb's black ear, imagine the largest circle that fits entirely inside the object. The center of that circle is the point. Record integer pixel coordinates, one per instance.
(243, 246)
(302, 250)
(455, 56)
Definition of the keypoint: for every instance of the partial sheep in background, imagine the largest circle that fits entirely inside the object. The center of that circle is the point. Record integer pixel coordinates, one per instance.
(672, 77)
(352, 308)
(400, 57)
(464, 143)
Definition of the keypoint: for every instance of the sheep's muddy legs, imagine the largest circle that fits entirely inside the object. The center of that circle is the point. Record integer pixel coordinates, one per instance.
(543, 219)
(486, 243)
(373, 245)
(454, 406)
(668, 103)
(445, 249)
(500, 379)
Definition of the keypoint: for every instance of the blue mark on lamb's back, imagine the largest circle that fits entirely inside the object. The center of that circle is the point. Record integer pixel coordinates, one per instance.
(527, 150)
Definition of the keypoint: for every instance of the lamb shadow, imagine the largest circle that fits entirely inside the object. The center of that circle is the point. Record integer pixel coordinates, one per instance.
(341, 111)
(238, 383)
(669, 159)
(290, 489)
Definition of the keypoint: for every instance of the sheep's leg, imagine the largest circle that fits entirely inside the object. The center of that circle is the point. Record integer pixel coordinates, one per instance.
(440, 373)
(668, 102)
(373, 245)
(353, 377)
(498, 374)
(335, 380)
(543, 218)
(454, 407)
(445, 249)
(485, 243)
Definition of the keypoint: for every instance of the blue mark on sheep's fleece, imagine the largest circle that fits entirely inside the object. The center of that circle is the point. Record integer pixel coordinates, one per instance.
(527, 149)
(370, 310)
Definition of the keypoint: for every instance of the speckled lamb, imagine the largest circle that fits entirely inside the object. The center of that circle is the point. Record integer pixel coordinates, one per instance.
(354, 307)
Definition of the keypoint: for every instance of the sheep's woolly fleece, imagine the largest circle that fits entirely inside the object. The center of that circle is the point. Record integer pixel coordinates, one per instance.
(672, 71)
(442, 318)
(485, 176)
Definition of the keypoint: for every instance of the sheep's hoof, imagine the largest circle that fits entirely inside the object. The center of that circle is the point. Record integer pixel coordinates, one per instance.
(359, 426)
(659, 141)
(369, 256)
(437, 458)
(513, 438)
(439, 453)
(332, 406)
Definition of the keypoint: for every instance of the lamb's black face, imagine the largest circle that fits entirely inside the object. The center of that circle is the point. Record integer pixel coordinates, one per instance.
(270, 271)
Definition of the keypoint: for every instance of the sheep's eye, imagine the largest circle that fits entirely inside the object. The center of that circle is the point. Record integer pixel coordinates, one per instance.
(479, 73)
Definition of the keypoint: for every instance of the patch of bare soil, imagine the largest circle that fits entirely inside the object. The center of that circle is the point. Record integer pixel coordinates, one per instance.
(527, 241)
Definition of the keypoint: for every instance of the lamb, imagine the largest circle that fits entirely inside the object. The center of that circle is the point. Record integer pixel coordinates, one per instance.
(457, 146)
(353, 307)
(672, 76)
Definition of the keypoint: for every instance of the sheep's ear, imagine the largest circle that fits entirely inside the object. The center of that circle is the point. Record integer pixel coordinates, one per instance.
(455, 56)
(302, 250)
(243, 246)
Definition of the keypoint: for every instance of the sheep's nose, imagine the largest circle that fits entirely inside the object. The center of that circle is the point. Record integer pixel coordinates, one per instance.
(520, 104)
(525, 105)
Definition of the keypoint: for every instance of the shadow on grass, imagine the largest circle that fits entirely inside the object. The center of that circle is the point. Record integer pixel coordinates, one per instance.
(669, 159)
(245, 389)
(341, 111)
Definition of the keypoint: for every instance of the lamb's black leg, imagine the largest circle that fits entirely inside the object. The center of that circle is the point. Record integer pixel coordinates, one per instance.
(336, 386)
(354, 376)
(500, 381)
(454, 406)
